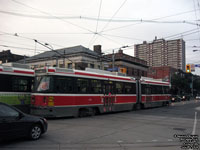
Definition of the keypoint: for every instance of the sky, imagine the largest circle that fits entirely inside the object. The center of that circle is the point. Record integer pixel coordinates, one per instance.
(110, 23)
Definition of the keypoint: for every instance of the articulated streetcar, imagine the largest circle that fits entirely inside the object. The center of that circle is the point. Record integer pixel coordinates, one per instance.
(66, 92)
(16, 81)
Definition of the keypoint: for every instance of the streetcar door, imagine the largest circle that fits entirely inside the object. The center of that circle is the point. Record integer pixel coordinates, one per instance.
(148, 94)
(109, 96)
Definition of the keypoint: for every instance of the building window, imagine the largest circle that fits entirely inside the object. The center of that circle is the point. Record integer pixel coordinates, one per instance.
(91, 65)
(69, 65)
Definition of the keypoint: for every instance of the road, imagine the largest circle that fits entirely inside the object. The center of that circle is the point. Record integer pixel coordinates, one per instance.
(149, 129)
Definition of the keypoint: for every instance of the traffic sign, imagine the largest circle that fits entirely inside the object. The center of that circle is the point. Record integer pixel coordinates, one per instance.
(197, 65)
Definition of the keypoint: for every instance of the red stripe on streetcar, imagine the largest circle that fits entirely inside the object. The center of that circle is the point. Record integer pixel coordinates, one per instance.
(1, 69)
(24, 72)
(51, 70)
(156, 98)
(80, 100)
(101, 76)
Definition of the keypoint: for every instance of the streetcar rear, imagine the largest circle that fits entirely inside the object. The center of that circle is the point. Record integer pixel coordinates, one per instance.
(154, 92)
(16, 85)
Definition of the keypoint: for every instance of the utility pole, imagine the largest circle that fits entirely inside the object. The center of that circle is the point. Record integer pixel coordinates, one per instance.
(113, 61)
(192, 85)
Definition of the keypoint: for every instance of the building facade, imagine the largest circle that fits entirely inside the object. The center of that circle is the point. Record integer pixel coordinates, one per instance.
(162, 52)
(132, 66)
(165, 73)
(77, 57)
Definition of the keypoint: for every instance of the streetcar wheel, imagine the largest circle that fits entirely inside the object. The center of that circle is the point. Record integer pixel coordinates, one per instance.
(35, 132)
(82, 113)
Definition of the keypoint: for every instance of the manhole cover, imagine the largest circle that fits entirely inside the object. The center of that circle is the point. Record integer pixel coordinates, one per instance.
(179, 129)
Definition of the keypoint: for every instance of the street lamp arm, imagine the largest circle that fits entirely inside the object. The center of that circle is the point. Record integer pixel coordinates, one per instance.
(51, 48)
(195, 50)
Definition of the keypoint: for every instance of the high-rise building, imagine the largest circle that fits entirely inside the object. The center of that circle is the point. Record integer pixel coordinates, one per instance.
(162, 52)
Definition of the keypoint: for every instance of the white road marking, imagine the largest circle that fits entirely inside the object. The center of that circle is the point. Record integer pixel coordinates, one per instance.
(195, 124)
(169, 140)
(154, 140)
(197, 108)
(119, 141)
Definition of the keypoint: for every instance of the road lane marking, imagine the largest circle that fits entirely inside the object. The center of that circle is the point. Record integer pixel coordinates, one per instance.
(197, 108)
(154, 140)
(119, 141)
(169, 140)
(195, 124)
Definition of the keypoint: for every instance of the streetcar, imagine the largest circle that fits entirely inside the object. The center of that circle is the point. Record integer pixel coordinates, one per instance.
(66, 92)
(16, 81)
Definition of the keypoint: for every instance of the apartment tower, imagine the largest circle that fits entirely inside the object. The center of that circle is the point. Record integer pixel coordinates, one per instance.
(162, 52)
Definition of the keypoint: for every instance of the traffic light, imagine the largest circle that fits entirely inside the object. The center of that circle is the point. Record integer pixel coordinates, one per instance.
(122, 70)
(188, 68)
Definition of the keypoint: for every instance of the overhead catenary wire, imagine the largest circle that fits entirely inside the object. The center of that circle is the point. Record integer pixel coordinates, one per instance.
(181, 33)
(25, 48)
(98, 16)
(43, 12)
(109, 20)
(159, 18)
(27, 38)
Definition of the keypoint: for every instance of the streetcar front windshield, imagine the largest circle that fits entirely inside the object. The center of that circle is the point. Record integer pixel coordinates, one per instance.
(43, 84)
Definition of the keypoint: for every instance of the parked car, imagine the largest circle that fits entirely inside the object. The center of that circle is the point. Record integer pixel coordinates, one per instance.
(176, 98)
(185, 97)
(198, 97)
(15, 124)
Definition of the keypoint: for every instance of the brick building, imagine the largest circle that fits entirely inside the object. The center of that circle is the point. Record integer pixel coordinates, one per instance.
(164, 72)
(133, 66)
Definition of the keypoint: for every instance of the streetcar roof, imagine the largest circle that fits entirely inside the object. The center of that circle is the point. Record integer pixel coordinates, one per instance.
(89, 73)
(10, 70)
(146, 80)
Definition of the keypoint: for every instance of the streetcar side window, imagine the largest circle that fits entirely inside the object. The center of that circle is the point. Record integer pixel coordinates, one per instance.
(5, 83)
(63, 85)
(82, 85)
(166, 89)
(95, 87)
(20, 84)
(12, 83)
(119, 86)
(130, 88)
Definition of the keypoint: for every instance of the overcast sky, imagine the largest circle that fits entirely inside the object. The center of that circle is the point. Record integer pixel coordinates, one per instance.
(110, 23)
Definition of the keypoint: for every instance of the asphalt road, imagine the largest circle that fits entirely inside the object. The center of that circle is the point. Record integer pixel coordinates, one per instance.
(149, 129)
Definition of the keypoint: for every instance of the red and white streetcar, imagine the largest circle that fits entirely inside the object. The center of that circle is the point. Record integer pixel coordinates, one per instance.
(66, 92)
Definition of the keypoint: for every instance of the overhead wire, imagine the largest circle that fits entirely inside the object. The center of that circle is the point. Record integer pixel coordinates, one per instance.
(95, 34)
(110, 19)
(159, 18)
(113, 16)
(27, 38)
(180, 33)
(96, 19)
(8, 46)
(43, 12)
(98, 16)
